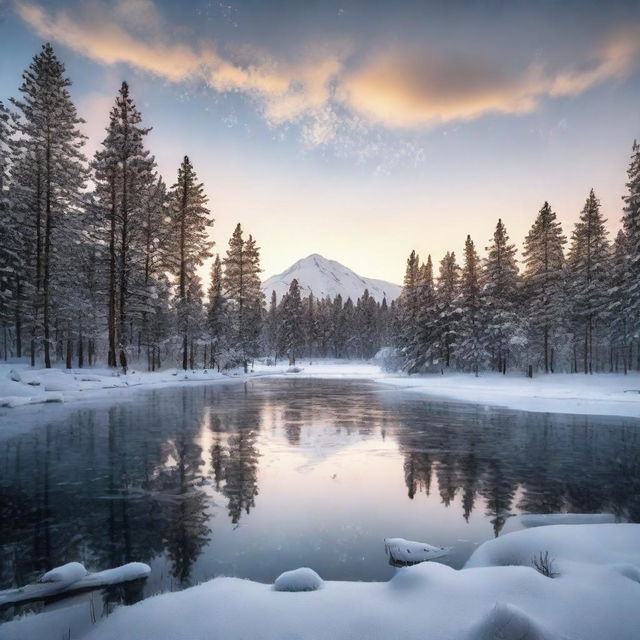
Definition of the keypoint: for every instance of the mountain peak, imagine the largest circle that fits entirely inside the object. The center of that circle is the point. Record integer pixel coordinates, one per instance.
(323, 277)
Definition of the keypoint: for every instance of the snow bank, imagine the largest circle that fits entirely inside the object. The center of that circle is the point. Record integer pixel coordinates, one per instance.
(20, 385)
(403, 551)
(598, 394)
(72, 577)
(498, 595)
(303, 579)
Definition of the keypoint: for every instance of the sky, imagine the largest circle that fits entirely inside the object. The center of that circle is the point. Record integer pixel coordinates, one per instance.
(360, 130)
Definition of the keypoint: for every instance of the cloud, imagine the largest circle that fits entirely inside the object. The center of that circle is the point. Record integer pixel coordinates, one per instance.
(286, 90)
(335, 88)
(415, 87)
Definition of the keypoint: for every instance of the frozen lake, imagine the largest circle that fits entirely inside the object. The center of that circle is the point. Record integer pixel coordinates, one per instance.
(252, 479)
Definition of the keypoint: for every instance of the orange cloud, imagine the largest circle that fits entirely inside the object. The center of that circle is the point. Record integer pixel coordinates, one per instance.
(414, 87)
(286, 90)
(406, 87)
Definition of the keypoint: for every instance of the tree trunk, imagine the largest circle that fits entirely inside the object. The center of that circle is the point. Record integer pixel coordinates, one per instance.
(546, 349)
(69, 359)
(48, 228)
(80, 349)
(111, 315)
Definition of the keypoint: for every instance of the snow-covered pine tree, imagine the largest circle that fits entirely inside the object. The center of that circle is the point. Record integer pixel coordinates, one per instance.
(192, 318)
(447, 312)
(309, 324)
(421, 349)
(291, 322)
(348, 326)
(365, 326)
(241, 286)
(631, 227)
(124, 173)
(11, 271)
(48, 124)
(337, 333)
(503, 329)
(469, 349)
(217, 322)
(155, 245)
(272, 328)
(618, 319)
(255, 299)
(588, 263)
(544, 284)
(160, 321)
(190, 219)
(26, 208)
(408, 306)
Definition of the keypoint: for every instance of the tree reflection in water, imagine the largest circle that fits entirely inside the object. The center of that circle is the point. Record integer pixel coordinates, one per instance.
(167, 478)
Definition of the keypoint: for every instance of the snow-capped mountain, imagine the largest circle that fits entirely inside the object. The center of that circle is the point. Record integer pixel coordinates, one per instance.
(322, 277)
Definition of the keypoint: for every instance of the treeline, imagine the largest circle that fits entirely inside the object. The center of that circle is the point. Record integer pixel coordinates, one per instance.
(559, 310)
(98, 257)
(307, 327)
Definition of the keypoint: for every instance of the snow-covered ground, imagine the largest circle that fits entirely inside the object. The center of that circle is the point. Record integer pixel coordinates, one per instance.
(599, 394)
(498, 595)
(20, 385)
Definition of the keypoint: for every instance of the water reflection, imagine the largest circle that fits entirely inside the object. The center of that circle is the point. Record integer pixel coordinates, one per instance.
(251, 480)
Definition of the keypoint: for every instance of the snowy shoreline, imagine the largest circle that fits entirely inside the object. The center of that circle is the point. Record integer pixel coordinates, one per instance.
(499, 594)
(606, 394)
(599, 394)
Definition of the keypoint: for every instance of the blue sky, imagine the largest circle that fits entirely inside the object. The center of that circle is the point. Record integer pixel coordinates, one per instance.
(360, 130)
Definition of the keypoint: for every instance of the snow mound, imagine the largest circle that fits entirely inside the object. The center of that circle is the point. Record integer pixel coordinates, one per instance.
(403, 551)
(303, 579)
(580, 543)
(506, 622)
(421, 577)
(69, 573)
(592, 600)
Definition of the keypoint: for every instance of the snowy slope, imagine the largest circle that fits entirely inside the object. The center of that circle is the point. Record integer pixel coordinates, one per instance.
(328, 278)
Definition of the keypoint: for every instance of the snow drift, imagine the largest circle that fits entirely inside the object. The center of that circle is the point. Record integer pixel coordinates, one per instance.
(499, 594)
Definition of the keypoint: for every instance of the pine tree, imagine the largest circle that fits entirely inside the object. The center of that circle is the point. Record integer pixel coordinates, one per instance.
(10, 249)
(241, 286)
(544, 281)
(156, 240)
(469, 350)
(408, 305)
(631, 228)
(49, 125)
(618, 319)
(588, 263)
(216, 313)
(422, 347)
(502, 330)
(291, 322)
(272, 328)
(309, 324)
(447, 312)
(124, 174)
(190, 222)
